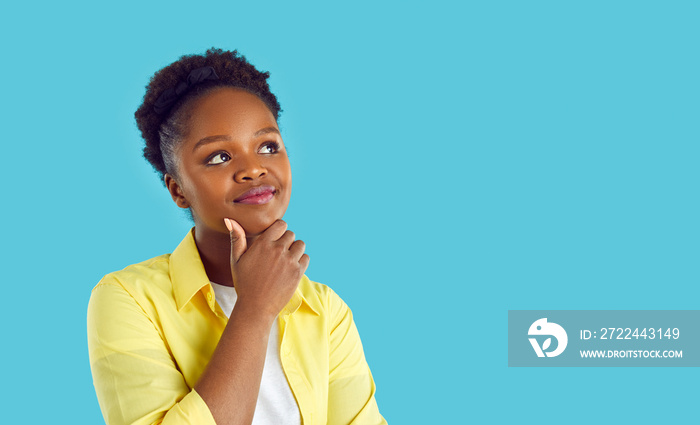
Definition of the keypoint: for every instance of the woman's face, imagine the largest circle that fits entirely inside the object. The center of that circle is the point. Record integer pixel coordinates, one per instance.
(232, 163)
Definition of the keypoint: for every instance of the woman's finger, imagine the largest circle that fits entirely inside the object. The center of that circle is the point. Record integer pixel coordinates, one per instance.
(297, 249)
(287, 239)
(304, 262)
(238, 240)
(275, 231)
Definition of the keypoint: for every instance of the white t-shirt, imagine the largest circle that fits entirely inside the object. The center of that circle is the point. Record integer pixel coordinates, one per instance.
(276, 404)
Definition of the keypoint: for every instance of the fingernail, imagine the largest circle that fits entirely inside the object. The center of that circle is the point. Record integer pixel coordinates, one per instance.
(227, 222)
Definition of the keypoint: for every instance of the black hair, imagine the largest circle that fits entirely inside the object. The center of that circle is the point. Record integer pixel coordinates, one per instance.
(163, 131)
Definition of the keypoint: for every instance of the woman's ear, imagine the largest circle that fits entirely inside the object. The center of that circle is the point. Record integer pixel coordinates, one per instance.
(175, 191)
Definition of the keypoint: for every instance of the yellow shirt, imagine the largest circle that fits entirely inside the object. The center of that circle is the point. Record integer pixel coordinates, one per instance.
(153, 327)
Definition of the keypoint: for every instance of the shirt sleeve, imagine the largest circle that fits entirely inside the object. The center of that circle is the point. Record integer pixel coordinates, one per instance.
(135, 377)
(351, 388)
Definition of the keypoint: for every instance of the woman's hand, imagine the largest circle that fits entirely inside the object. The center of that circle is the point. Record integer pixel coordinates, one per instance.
(266, 273)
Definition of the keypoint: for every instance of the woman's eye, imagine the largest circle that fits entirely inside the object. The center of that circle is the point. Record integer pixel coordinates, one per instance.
(219, 158)
(271, 147)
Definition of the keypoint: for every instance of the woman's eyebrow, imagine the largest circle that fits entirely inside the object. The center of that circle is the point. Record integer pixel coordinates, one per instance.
(266, 130)
(210, 139)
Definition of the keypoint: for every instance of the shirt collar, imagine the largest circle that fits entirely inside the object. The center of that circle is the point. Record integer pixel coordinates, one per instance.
(189, 277)
(187, 271)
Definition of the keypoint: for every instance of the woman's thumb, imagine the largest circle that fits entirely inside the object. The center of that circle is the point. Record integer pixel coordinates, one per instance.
(238, 241)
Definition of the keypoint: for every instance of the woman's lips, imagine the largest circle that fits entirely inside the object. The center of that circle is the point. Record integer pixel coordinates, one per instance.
(257, 195)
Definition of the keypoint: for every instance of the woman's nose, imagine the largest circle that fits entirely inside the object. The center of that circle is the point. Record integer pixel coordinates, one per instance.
(250, 169)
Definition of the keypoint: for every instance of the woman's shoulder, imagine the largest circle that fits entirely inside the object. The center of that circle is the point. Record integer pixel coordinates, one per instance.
(137, 279)
(319, 295)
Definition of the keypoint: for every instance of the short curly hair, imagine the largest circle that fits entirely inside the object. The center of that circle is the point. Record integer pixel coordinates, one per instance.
(163, 131)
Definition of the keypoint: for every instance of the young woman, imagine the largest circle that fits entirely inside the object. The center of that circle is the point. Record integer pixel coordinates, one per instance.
(227, 329)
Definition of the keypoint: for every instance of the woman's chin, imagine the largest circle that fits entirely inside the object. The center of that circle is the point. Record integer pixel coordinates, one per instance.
(255, 229)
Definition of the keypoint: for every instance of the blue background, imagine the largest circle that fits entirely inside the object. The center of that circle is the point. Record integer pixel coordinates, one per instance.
(451, 161)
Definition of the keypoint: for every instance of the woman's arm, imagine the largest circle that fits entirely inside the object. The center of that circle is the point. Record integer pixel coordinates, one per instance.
(351, 388)
(135, 377)
(265, 275)
(231, 381)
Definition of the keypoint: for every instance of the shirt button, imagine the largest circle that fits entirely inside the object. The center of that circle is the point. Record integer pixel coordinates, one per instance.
(209, 296)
